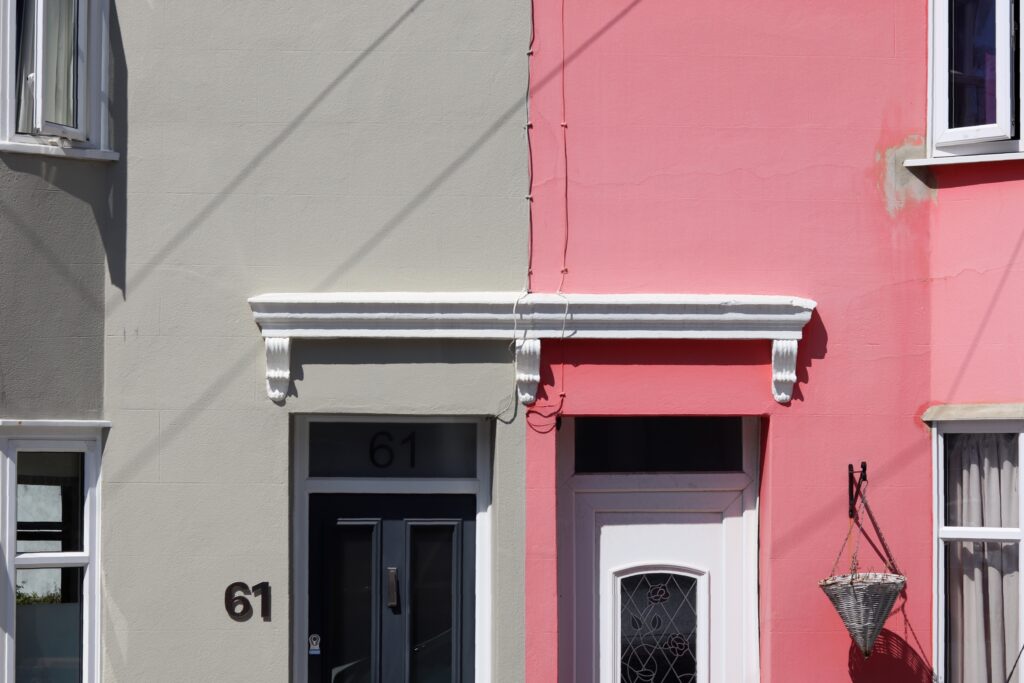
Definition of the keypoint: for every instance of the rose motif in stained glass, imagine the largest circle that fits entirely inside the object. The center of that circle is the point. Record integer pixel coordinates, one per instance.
(676, 645)
(657, 593)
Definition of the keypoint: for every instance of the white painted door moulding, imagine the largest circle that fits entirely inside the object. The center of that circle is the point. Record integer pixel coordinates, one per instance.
(529, 318)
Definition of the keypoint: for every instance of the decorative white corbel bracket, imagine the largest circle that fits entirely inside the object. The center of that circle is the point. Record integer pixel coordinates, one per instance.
(279, 372)
(527, 370)
(783, 369)
(527, 319)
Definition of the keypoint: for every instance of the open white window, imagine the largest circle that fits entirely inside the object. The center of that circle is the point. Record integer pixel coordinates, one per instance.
(975, 76)
(49, 487)
(51, 62)
(55, 77)
(973, 71)
(978, 526)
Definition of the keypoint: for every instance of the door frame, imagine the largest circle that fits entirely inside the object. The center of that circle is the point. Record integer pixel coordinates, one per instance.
(303, 485)
(740, 486)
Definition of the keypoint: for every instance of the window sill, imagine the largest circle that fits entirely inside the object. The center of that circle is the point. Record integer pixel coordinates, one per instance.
(973, 411)
(964, 159)
(83, 153)
(7, 423)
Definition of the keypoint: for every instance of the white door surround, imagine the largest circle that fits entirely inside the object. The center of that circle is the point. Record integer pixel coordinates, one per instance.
(702, 526)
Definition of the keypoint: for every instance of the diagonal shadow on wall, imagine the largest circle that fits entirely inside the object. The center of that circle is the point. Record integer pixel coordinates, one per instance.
(417, 200)
(245, 362)
(225, 192)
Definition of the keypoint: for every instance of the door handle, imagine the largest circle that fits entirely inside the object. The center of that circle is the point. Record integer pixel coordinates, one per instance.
(392, 587)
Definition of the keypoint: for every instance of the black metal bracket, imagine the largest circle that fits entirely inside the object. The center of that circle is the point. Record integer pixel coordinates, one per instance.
(853, 485)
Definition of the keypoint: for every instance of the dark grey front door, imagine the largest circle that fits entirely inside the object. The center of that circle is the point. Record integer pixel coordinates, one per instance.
(391, 588)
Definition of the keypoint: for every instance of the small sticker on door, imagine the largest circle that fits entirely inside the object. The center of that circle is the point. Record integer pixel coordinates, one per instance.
(314, 644)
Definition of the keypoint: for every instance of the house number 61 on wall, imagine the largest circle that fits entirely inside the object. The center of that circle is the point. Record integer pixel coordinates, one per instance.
(238, 605)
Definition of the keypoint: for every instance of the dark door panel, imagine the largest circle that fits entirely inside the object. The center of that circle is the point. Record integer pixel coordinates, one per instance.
(392, 588)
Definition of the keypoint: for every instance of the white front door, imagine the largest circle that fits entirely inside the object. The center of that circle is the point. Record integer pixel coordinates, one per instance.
(662, 576)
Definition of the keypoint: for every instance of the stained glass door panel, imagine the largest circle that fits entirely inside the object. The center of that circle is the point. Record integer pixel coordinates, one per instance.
(658, 628)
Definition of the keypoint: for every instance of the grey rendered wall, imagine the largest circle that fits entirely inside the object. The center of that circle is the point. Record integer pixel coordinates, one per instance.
(52, 272)
(292, 146)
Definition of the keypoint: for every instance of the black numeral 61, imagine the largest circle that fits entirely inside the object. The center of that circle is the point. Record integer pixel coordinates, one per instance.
(238, 605)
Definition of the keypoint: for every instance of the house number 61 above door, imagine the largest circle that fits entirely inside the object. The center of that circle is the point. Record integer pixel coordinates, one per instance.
(382, 453)
(393, 449)
(238, 605)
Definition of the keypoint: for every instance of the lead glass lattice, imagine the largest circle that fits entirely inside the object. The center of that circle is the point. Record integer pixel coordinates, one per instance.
(658, 627)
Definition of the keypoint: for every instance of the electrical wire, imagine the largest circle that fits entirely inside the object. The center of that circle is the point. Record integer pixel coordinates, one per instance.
(529, 148)
(565, 161)
(551, 412)
(512, 401)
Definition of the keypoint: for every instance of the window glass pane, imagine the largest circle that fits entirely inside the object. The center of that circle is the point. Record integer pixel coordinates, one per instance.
(349, 641)
(659, 444)
(380, 449)
(658, 627)
(972, 62)
(60, 62)
(982, 602)
(25, 25)
(981, 480)
(50, 502)
(430, 658)
(48, 625)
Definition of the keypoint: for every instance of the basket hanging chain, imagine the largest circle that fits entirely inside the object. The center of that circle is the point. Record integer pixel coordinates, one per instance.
(889, 559)
(846, 542)
(855, 557)
(855, 522)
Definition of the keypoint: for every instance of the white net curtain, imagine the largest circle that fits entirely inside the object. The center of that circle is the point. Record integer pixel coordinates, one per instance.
(982, 586)
(59, 61)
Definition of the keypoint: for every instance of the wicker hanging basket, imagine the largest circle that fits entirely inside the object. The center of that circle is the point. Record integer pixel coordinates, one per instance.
(864, 599)
(864, 602)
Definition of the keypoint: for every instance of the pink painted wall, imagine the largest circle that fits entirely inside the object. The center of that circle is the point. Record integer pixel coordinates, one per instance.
(740, 147)
(977, 269)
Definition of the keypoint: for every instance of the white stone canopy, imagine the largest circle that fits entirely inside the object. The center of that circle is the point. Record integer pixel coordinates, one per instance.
(528, 318)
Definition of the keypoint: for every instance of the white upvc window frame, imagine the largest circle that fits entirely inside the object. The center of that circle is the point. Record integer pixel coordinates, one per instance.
(90, 137)
(944, 534)
(996, 138)
(72, 436)
(1002, 129)
(40, 124)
